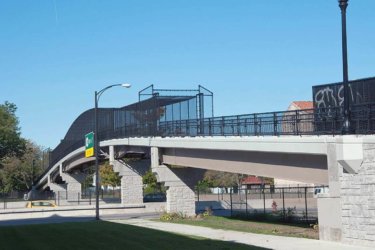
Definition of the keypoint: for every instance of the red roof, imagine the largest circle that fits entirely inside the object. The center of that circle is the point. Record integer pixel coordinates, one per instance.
(304, 104)
(251, 180)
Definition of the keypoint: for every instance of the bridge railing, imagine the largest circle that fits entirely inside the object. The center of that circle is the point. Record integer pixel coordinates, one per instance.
(320, 121)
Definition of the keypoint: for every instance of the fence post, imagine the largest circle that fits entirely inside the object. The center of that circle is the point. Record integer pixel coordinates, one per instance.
(5, 203)
(102, 194)
(264, 201)
(78, 198)
(296, 122)
(274, 124)
(306, 205)
(231, 202)
(90, 197)
(222, 126)
(283, 204)
(238, 126)
(246, 199)
(209, 127)
(218, 194)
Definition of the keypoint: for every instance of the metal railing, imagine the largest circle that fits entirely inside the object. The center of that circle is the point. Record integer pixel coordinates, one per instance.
(320, 121)
(285, 203)
(18, 199)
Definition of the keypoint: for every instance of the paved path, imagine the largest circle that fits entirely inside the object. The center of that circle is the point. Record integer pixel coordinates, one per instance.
(261, 240)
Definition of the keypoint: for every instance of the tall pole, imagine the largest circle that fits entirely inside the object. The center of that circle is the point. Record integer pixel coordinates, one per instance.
(343, 4)
(33, 172)
(96, 158)
(96, 144)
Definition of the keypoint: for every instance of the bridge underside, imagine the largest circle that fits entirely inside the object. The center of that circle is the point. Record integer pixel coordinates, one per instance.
(296, 167)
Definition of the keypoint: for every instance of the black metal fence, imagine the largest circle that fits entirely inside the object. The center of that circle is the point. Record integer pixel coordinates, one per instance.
(17, 200)
(286, 203)
(361, 91)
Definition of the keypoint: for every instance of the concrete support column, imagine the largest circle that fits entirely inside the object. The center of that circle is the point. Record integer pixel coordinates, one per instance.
(131, 188)
(73, 185)
(180, 182)
(131, 178)
(329, 205)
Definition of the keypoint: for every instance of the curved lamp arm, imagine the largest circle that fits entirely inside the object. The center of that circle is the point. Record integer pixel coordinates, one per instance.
(99, 93)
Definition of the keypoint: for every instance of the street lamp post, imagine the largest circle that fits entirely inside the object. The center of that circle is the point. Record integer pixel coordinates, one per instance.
(96, 143)
(343, 4)
(32, 172)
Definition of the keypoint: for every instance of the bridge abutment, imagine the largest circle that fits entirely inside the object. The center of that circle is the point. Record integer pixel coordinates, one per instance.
(358, 200)
(347, 213)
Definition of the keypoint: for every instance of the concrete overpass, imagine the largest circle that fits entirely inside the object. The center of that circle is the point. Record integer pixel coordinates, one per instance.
(301, 145)
(337, 161)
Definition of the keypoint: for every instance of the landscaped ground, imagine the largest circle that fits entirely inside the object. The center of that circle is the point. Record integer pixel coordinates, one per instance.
(101, 235)
(252, 227)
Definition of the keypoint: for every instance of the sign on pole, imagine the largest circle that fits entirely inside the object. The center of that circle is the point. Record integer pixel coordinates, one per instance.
(89, 145)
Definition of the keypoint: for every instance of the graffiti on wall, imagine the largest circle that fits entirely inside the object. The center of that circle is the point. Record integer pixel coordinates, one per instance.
(332, 95)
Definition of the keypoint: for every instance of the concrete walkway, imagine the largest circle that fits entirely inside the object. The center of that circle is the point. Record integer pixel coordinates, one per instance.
(260, 240)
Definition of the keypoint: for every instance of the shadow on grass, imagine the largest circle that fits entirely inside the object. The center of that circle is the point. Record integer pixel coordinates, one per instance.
(47, 220)
(102, 235)
(269, 219)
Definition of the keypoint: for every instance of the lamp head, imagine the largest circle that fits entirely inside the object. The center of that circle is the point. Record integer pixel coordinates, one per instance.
(343, 3)
(126, 85)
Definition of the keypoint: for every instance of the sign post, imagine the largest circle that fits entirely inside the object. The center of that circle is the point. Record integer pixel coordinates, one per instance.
(89, 145)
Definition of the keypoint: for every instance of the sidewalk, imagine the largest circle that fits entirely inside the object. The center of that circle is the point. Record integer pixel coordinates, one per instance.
(260, 240)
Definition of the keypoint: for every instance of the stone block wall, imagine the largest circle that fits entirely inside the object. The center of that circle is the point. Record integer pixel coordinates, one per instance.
(181, 199)
(358, 201)
(131, 189)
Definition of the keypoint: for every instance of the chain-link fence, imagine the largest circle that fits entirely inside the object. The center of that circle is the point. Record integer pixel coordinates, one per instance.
(285, 203)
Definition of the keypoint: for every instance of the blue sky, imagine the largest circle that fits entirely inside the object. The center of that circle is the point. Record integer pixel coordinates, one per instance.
(255, 55)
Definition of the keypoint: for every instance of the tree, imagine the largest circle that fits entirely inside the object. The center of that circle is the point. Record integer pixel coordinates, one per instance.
(11, 143)
(18, 173)
(151, 183)
(221, 179)
(108, 177)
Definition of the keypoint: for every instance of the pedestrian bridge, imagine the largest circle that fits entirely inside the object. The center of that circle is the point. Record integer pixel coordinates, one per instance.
(175, 133)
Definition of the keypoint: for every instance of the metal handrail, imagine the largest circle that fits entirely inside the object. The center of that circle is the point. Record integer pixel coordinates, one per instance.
(319, 121)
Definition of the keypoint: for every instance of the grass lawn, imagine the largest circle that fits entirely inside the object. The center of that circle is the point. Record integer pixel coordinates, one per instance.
(252, 226)
(101, 235)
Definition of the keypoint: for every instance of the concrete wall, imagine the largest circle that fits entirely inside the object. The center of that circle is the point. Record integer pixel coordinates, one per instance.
(358, 201)
(347, 213)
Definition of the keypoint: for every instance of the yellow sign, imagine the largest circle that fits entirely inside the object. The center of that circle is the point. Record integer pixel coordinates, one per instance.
(89, 145)
(89, 152)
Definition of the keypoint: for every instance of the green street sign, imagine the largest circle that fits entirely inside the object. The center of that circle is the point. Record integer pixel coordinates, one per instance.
(89, 145)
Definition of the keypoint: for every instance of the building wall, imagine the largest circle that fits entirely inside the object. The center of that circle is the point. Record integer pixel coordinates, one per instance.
(287, 183)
